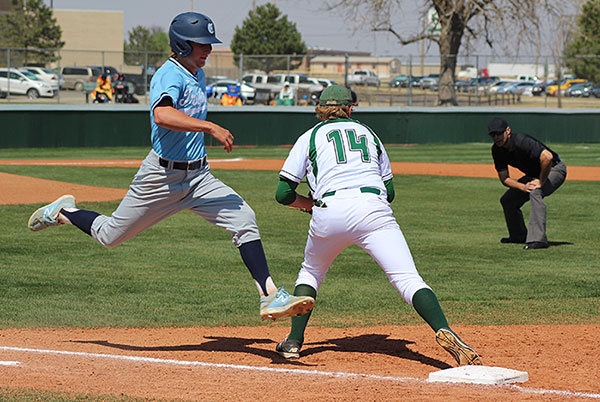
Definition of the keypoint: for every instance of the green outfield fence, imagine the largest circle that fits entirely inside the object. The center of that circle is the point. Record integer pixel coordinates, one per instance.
(28, 126)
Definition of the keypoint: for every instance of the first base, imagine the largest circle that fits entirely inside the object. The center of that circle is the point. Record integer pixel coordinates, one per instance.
(479, 375)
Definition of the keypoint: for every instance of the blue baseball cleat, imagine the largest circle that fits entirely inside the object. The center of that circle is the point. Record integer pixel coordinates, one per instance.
(282, 304)
(47, 215)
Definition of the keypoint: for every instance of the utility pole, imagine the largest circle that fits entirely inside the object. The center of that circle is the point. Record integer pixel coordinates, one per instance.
(191, 5)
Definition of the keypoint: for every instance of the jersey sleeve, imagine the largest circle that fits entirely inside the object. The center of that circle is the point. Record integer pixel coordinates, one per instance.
(500, 162)
(385, 167)
(295, 166)
(167, 84)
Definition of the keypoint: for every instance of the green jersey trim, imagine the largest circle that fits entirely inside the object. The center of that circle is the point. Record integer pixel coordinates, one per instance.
(312, 149)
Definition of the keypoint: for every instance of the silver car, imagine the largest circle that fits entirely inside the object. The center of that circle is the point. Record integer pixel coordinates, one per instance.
(23, 83)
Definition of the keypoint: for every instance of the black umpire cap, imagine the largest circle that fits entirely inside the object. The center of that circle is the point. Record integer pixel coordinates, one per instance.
(497, 125)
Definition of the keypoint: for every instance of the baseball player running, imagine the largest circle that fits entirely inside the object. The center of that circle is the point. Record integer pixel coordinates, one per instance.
(175, 175)
(350, 178)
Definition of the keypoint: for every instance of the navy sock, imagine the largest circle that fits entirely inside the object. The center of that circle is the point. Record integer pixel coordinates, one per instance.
(82, 219)
(253, 256)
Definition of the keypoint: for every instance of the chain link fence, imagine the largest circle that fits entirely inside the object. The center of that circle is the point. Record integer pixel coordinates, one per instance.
(413, 80)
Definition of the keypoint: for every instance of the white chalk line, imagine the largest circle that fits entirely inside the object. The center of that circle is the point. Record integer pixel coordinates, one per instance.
(338, 374)
(7, 363)
(103, 163)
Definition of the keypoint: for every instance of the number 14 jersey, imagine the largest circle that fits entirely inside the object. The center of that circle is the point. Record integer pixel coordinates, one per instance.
(338, 154)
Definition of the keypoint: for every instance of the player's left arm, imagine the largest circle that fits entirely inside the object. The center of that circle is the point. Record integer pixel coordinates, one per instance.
(545, 165)
(385, 169)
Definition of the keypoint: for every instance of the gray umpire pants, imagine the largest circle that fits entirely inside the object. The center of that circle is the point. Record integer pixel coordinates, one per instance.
(513, 200)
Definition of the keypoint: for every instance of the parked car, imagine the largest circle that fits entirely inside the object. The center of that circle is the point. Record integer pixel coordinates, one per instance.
(533, 78)
(399, 81)
(540, 88)
(23, 83)
(99, 70)
(364, 77)
(595, 91)
(75, 77)
(430, 81)
(214, 78)
(460, 85)
(47, 75)
(520, 88)
(415, 81)
(217, 89)
(493, 88)
(552, 90)
(581, 90)
(321, 81)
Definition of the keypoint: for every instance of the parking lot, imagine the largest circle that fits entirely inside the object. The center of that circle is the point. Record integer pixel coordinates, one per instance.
(367, 96)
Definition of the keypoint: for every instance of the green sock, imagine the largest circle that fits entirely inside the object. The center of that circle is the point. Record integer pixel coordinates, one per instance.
(299, 322)
(428, 307)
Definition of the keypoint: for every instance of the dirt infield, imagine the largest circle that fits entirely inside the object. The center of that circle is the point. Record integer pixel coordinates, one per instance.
(22, 189)
(350, 364)
(380, 363)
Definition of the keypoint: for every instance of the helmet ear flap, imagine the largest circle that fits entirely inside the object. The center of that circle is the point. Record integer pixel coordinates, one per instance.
(183, 48)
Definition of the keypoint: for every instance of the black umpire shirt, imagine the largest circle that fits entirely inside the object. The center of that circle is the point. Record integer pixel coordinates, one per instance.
(523, 152)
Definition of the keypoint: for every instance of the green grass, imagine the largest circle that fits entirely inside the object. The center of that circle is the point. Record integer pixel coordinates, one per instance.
(185, 272)
(572, 154)
(34, 395)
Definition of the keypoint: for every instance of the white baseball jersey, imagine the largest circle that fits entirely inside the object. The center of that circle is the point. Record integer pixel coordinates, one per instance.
(338, 154)
(340, 159)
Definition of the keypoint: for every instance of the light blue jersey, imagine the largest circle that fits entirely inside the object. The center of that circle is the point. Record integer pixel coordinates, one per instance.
(188, 93)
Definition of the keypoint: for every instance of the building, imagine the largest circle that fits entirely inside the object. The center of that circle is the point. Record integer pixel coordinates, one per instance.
(329, 66)
(91, 37)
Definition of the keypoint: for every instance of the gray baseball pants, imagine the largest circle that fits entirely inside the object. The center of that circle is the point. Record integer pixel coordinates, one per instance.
(157, 193)
(513, 200)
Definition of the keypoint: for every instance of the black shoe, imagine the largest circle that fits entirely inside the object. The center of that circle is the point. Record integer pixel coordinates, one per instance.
(289, 348)
(511, 240)
(535, 244)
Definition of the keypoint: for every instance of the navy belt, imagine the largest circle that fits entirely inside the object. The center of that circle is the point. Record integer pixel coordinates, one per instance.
(192, 165)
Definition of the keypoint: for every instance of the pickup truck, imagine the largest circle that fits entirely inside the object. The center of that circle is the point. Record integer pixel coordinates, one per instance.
(363, 77)
(274, 83)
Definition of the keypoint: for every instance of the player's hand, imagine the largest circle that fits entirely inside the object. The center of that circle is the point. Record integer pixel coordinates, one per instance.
(532, 185)
(223, 136)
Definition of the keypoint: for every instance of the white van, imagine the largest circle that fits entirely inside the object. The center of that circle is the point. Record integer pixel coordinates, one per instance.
(23, 83)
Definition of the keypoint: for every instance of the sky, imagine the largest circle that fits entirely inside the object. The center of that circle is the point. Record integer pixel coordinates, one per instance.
(318, 27)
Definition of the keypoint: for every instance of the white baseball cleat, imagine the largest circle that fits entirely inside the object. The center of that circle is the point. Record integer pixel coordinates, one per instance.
(47, 215)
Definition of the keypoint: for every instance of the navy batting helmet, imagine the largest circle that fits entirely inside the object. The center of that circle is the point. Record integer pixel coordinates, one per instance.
(191, 27)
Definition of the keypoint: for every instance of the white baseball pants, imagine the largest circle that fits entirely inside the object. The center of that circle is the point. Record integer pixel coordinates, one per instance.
(364, 219)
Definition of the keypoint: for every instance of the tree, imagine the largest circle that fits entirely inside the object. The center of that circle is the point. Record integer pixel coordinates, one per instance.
(31, 26)
(484, 19)
(142, 40)
(267, 32)
(585, 43)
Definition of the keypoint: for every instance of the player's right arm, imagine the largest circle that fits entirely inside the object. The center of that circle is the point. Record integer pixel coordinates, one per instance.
(286, 194)
(292, 172)
(165, 115)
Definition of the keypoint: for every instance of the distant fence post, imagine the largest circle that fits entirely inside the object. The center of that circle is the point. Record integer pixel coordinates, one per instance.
(346, 67)
(546, 81)
(59, 76)
(409, 98)
(8, 75)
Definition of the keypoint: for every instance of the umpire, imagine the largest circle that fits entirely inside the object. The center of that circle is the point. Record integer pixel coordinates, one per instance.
(544, 173)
